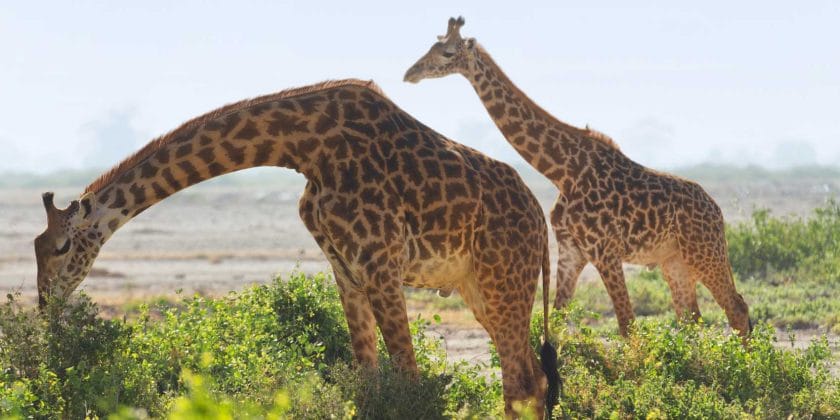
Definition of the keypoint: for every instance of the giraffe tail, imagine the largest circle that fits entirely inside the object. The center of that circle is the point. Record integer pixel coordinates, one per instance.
(548, 354)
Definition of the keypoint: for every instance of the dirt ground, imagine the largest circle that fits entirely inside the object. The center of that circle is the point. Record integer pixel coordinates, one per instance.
(212, 239)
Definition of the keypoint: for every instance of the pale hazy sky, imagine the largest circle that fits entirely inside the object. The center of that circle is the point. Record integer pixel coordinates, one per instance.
(84, 83)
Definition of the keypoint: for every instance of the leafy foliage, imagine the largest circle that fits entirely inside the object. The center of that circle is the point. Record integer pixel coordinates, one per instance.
(784, 249)
(694, 371)
(275, 350)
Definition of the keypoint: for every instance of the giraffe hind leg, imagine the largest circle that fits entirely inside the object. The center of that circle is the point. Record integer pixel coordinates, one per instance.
(360, 322)
(501, 295)
(708, 263)
(523, 379)
(719, 282)
(388, 303)
(570, 261)
(712, 270)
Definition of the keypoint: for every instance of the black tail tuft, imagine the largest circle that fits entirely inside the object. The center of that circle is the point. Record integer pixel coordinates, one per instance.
(548, 356)
(751, 324)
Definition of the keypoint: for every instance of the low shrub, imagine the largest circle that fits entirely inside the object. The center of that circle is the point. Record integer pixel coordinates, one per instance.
(781, 249)
(281, 351)
(693, 371)
(241, 352)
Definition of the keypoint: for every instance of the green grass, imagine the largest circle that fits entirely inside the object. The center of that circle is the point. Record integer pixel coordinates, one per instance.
(282, 351)
(795, 305)
(788, 249)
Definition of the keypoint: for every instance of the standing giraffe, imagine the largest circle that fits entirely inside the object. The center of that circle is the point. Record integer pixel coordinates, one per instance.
(389, 201)
(610, 209)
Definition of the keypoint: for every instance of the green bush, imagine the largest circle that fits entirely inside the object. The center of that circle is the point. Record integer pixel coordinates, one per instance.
(255, 341)
(240, 352)
(281, 351)
(781, 249)
(63, 365)
(694, 371)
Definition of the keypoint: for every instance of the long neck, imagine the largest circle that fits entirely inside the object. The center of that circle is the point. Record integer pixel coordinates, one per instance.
(274, 133)
(546, 143)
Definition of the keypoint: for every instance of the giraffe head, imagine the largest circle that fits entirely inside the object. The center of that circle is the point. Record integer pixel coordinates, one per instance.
(451, 54)
(65, 251)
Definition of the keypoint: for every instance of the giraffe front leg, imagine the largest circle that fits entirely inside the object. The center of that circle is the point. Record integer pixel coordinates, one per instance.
(354, 300)
(612, 275)
(357, 310)
(386, 298)
(360, 321)
(570, 261)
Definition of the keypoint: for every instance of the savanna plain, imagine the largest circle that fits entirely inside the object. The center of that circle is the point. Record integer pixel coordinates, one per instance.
(216, 303)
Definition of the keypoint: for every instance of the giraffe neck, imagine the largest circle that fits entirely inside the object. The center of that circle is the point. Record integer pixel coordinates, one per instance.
(546, 143)
(276, 133)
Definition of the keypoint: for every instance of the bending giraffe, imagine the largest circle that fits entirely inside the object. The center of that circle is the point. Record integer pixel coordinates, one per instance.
(610, 209)
(389, 201)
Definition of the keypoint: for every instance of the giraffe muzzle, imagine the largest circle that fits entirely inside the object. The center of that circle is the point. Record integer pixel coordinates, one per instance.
(412, 75)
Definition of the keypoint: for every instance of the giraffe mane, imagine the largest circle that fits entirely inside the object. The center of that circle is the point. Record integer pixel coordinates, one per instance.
(584, 132)
(156, 144)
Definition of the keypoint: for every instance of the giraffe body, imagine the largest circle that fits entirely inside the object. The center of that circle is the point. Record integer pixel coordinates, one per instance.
(611, 210)
(388, 200)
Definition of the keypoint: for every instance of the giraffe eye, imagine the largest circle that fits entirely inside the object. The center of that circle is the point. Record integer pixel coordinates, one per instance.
(448, 54)
(64, 248)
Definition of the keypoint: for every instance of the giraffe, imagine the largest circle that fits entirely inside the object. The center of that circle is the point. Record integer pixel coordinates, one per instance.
(389, 201)
(610, 209)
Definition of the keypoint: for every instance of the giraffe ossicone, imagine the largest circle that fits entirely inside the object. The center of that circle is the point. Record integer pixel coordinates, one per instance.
(610, 209)
(389, 201)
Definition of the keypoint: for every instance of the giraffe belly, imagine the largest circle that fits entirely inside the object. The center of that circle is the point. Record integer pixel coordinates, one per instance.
(439, 273)
(653, 253)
